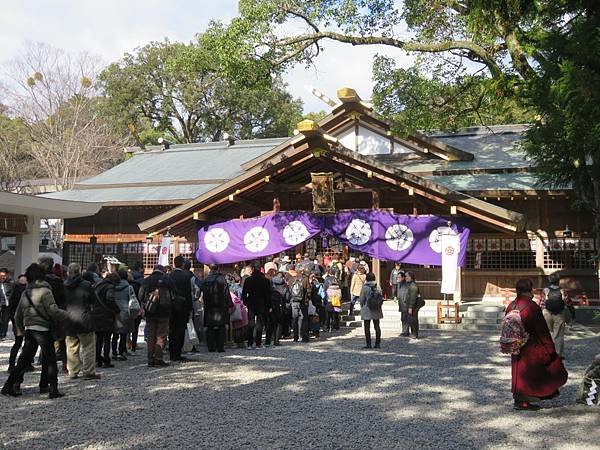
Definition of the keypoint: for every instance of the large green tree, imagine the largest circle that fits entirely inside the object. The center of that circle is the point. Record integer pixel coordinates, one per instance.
(197, 92)
(477, 61)
(565, 141)
(471, 56)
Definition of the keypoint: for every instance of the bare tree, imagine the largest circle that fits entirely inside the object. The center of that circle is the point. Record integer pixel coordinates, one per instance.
(55, 94)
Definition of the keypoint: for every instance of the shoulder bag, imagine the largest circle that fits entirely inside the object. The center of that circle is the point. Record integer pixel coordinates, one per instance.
(56, 328)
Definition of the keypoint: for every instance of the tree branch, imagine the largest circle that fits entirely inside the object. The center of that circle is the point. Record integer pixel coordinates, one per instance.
(427, 47)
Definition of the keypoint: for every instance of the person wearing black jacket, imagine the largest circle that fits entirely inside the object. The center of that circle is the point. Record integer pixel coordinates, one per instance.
(280, 304)
(182, 308)
(104, 313)
(137, 272)
(79, 301)
(256, 295)
(13, 302)
(217, 301)
(6, 288)
(157, 321)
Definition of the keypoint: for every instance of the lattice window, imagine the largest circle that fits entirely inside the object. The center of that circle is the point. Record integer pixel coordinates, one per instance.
(500, 260)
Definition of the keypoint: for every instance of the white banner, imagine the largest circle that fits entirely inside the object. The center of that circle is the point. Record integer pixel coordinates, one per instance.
(450, 249)
(165, 247)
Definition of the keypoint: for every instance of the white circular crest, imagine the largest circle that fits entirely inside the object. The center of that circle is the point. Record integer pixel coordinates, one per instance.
(216, 240)
(295, 233)
(256, 239)
(399, 237)
(435, 238)
(358, 232)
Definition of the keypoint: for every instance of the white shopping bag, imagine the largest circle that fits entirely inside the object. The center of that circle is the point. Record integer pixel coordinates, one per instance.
(191, 332)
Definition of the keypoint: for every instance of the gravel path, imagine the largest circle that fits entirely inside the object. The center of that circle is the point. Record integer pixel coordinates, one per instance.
(447, 390)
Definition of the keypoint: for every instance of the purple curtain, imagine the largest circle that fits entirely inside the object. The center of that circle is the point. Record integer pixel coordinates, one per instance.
(379, 234)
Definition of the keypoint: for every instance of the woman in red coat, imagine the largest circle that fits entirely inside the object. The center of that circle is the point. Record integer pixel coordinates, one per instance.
(537, 371)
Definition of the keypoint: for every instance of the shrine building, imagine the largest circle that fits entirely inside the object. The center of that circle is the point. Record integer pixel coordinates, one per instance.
(477, 177)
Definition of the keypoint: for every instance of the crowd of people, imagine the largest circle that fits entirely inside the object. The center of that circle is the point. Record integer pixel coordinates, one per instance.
(86, 320)
(82, 320)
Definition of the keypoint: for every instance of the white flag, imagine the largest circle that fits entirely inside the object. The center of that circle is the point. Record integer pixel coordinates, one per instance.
(165, 248)
(450, 249)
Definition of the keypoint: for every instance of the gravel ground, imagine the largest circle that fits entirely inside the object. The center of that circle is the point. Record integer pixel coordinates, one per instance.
(447, 390)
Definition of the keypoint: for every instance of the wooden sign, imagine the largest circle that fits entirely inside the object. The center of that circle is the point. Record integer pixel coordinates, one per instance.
(322, 192)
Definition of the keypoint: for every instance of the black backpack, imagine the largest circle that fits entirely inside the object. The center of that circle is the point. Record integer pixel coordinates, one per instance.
(375, 298)
(276, 300)
(554, 300)
(213, 295)
(315, 298)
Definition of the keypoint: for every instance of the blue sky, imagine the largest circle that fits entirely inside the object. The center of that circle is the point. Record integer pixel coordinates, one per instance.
(110, 28)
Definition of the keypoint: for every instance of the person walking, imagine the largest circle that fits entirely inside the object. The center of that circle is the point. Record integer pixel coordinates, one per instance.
(182, 308)
(371, 299)
(157, 293)
(280, 304)
(537, 371)
(81, 339)
(555, 312)
(36, 313)
(256, 295)
(6, 288)
(15, 297)
(123, 319)
(105, 311)
(359, 278)
(217, 302)
(412, 303)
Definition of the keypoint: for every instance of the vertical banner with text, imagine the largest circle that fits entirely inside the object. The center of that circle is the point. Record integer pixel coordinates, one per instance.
(450, 251)
(165, 247)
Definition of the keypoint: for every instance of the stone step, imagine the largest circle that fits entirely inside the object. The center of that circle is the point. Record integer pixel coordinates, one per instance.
(461, 327)
(483, 315)
(472, 321)
(486, 308)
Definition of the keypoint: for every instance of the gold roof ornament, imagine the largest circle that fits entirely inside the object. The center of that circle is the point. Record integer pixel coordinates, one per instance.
(348, 95)
(308, 126)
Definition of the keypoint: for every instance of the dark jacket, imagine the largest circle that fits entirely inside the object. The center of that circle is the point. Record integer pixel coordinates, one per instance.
(105, 308)
(412, 294)
(256, 293)
(182, 280)
(158, 280)
(285, 296)
(79, 302)
(58, 289)
(15, 297)
(402, 292)
(216, 299)
(5, 293)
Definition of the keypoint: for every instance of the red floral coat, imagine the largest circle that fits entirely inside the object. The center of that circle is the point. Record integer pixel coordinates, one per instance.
(537, 371)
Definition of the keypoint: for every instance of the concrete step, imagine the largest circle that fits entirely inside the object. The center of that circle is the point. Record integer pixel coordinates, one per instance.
(483, 315)
(486, 308)
(461, 327)
(471, 321)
